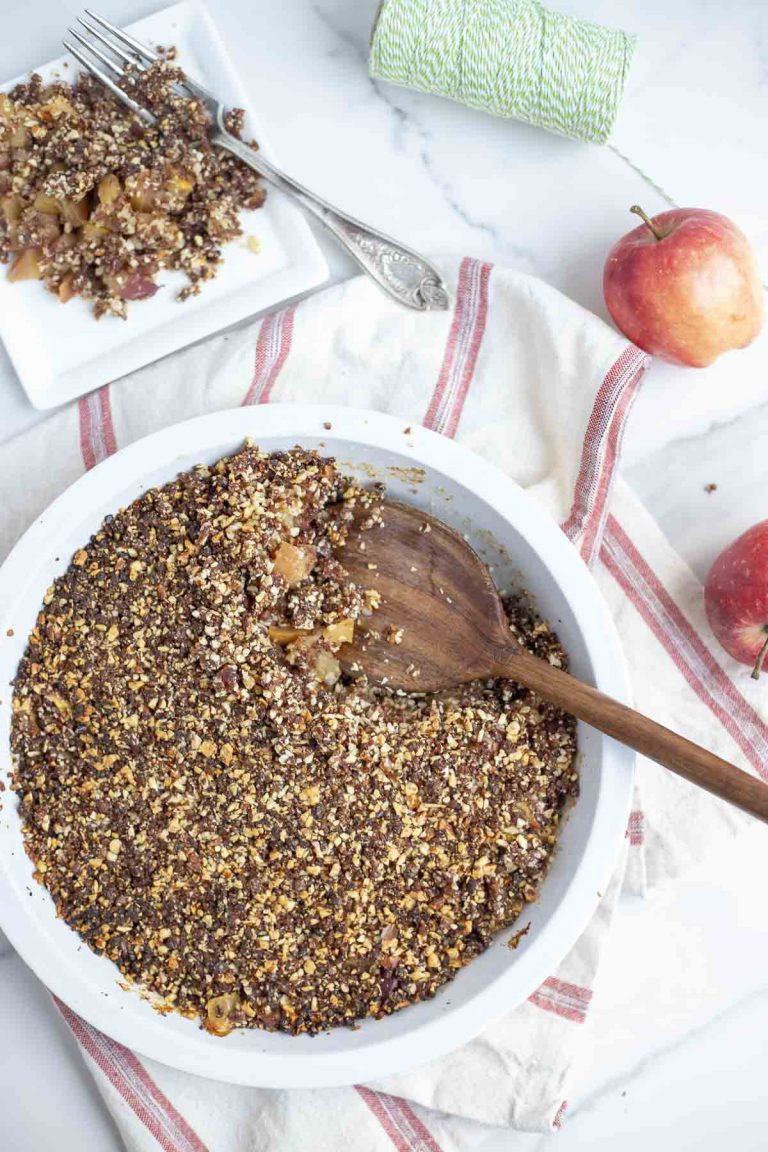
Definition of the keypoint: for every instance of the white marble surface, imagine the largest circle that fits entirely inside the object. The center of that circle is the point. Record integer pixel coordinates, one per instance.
(674, 1051)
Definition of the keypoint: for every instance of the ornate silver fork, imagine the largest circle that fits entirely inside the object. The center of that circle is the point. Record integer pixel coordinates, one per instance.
(400, 272)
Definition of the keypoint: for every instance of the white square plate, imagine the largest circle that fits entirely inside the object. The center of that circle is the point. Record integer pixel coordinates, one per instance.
(61, 351)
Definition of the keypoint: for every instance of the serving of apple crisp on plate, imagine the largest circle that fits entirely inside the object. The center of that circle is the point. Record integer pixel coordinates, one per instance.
(165, 237)
(96, 203)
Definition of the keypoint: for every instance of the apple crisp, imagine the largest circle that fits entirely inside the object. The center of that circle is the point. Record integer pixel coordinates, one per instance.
(250, 836)
(95, 203)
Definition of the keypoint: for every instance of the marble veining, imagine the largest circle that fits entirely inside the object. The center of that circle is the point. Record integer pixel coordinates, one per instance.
(407, 125)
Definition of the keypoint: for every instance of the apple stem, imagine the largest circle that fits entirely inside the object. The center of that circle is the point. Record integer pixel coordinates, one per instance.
(761, 657)
(647, 221)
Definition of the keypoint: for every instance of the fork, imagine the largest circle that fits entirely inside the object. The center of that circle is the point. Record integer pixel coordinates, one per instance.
(403, 274)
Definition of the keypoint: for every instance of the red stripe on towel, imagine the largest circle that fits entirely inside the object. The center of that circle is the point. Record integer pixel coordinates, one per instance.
(404, 1128)
(462, 348)
(602, 442)
(570, 1001)
(685, 647)
(375, 1101)
(595, 524)
(422, 1138)
(272, 348)
(97, 432)
(130, 1078)
(636, 828)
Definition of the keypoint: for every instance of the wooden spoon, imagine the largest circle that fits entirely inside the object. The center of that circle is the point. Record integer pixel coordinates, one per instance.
(439, 603)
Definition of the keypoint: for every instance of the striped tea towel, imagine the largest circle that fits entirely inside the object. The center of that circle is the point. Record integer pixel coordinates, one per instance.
(543, 389)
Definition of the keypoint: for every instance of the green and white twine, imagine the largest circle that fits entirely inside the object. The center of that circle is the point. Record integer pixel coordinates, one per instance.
(508, 57)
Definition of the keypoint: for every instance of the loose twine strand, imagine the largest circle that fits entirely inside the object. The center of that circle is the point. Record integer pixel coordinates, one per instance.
(511, 58)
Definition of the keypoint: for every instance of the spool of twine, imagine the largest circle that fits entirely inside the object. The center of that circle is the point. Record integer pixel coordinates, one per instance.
(511, 58)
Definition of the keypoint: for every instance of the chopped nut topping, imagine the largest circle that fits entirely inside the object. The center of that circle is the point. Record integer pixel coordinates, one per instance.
(254, 839)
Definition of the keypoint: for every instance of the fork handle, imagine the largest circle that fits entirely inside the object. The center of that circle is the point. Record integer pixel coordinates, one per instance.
(401, 273)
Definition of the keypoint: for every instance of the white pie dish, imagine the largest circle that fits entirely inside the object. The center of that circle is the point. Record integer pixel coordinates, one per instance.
(526, 549)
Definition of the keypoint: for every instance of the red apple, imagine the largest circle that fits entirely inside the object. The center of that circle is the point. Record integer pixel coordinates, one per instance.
(684, 286)
(736, 597)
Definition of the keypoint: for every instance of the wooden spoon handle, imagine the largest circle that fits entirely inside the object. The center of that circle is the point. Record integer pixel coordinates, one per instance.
(636, 731)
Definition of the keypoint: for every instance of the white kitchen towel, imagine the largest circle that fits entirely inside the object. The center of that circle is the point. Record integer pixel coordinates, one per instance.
(542, 388)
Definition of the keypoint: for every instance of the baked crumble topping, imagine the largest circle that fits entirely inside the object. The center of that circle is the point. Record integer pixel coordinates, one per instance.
(250, 836)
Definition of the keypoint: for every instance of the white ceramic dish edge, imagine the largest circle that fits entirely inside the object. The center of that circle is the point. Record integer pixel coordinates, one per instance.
(487, 988)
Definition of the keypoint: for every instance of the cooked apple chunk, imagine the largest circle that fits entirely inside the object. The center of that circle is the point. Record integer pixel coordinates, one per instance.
(26, 266)
(294, 562)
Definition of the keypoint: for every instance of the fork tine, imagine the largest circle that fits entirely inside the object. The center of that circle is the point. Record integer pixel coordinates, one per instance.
(115, 69)
(98, 35)
(138, 52)
(135, 45)
(108, 82)
(193, 87)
